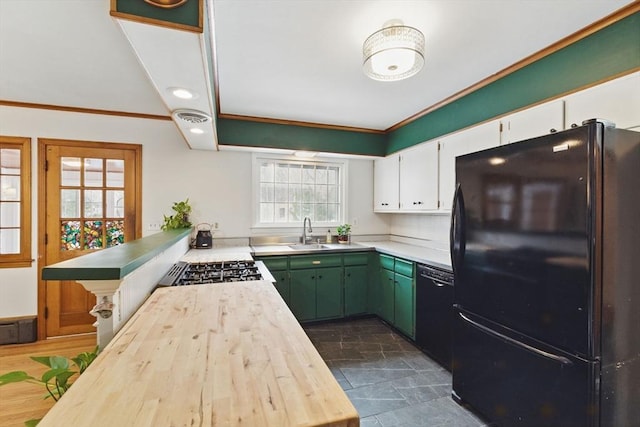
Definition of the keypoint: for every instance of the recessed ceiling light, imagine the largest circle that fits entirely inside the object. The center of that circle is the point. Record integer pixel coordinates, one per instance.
(495, 161)
(197, 131)
(182, 93)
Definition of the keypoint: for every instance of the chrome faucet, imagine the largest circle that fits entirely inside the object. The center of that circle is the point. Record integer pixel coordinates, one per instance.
(304, 230)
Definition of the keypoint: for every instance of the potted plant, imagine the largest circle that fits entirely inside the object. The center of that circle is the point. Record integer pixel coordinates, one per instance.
(344, 230)
(57, 379)
(181, 217)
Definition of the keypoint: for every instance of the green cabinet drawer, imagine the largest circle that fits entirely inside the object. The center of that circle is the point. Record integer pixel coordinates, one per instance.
(360, 258)
(275, 263)
(404, 267)
(386, 262)
(314, 261)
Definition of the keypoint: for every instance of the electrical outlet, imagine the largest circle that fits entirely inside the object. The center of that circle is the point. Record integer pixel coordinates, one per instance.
(215, 225)
(355, 222)
(154, 226)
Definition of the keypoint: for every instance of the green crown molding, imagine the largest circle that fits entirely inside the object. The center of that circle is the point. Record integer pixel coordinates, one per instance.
(612, 51)
(294, 137)
(187, 14)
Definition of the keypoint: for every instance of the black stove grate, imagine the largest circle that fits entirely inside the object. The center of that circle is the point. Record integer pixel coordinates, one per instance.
(184, 274)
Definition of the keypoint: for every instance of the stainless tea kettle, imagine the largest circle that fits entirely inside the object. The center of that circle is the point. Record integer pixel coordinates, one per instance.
(204, 238)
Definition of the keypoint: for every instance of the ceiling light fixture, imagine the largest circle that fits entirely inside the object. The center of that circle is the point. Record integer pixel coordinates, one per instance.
(305, 154)
(196, 131)
(395, 52)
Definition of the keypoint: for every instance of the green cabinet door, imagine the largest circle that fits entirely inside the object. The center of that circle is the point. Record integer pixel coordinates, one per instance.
(403, 304)
(387, 297)
(303, 293)
(282, 284)
(328, 292)
(355, 289)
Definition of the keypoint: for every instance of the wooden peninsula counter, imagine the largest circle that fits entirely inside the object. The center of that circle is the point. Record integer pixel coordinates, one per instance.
(229, 354)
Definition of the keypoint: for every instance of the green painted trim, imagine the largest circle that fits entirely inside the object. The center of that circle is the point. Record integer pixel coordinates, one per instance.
(186, 14)
(292, 137)
(611, 51)
(116, 262)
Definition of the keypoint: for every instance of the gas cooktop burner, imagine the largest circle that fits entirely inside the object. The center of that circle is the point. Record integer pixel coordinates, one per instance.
(184, 273)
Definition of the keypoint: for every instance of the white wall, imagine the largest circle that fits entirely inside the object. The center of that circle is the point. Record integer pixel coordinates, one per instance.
(218, 184)
(421, 226)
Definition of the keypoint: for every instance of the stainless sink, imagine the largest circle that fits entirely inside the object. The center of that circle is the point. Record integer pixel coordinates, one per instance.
(308, 246)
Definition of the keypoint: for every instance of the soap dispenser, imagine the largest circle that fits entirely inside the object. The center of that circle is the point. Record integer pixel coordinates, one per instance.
(329, 236)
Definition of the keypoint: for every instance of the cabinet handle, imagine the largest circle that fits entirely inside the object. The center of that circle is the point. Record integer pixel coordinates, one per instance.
(313, 277)
(552, 130)
(319, 277)
(573, 125)
(348, 274)
(315, 262)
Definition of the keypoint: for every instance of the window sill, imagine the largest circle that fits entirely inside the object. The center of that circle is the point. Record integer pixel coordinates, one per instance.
(19, 263)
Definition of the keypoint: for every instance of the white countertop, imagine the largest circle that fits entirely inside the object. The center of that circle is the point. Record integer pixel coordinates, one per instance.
(432, 253)
(220, 254)
(426, 252)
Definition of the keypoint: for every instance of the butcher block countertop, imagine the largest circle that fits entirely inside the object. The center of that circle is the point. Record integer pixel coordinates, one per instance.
(228, 354)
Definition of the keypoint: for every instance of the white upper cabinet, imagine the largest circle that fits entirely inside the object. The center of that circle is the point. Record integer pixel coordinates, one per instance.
(386, 184)
(475, 139)
(617, 101)
(423, 177)
(419, 178)
(532, 122)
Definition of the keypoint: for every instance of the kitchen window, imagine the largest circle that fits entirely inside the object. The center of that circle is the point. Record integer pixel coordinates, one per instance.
(15, 202)
(287, 191)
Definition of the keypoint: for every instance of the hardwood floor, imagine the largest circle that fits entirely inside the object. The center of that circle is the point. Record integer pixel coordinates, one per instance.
(23, 401)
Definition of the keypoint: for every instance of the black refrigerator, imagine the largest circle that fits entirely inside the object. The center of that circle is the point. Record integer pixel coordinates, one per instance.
(545, 248)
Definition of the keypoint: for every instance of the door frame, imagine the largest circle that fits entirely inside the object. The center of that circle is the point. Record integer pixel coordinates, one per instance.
(43, 143)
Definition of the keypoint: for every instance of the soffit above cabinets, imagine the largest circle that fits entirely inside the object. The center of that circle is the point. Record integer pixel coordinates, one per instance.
(173, 59)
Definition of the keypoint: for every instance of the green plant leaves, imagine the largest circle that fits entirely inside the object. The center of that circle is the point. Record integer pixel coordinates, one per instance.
(180, 219)
(15, 377)
(53, 362)
(83, 360)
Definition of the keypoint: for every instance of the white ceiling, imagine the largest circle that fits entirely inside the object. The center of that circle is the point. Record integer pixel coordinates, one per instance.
(282, 59)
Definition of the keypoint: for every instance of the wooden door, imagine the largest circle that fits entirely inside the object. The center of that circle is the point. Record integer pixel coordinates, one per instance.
(91, 197)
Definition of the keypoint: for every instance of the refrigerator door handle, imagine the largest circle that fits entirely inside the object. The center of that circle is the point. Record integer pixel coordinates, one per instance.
(457, 236)
(557, 358)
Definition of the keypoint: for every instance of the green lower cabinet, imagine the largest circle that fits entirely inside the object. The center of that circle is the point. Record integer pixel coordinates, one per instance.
(355, 289)
(403, 304)
(396, 293)
(329, 293)
(282, 284)
(303, 294)
(279, 268)
(316, 293)
(387, 295)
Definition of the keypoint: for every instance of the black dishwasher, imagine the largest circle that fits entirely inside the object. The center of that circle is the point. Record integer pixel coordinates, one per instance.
(434, 313)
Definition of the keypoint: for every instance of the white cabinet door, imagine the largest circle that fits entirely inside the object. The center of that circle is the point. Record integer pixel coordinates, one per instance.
(537, 121)
(419, 178)
(617, 101)
(475, 139)
(386, 175)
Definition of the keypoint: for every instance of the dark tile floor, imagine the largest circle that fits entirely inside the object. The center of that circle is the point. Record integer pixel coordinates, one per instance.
(389, 381)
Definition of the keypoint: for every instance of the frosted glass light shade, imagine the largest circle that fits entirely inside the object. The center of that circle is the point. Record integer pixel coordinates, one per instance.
(395, 52)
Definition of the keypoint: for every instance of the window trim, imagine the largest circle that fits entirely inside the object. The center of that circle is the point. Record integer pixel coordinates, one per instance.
(343, 165)
(24, 258)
